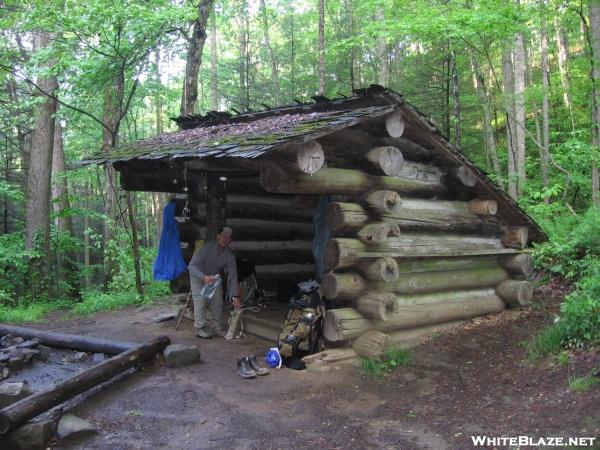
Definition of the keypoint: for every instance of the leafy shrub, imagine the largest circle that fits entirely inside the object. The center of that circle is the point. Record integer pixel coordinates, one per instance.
(583, 384)
(580, 318)
(14, 260)
(547, 342)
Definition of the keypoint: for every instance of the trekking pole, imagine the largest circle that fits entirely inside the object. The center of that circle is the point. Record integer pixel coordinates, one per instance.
(187, 302)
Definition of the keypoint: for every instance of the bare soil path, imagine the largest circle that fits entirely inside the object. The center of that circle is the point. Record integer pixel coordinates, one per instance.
(473, 381)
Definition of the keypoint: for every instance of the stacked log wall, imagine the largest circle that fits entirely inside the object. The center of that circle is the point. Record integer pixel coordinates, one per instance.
(409, 249)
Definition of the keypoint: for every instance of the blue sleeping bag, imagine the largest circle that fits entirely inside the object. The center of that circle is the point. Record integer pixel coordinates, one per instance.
(169, 263)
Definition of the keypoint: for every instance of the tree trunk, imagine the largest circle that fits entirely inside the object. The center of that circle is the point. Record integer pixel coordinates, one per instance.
(519, 71)
(509, 106)
(545, 149)
(321, 47)
(214, 78)
(64, 223)
(244, 52)
(595, 64)
(562, 48)
(272, 58)
(135, 245)
(456, 96)
(383, 73)
(189, 98)
(37, 226)
(35, 404)
(490, 138)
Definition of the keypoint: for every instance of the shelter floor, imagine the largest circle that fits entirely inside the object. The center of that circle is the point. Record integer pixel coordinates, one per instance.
(473, 381)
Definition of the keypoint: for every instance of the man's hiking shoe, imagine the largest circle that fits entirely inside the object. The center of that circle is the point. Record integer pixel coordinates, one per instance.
(254, 365)
(243, 368)
(202, 333)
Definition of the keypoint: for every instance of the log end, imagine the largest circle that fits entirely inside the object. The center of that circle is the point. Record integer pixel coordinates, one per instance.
(394, 124)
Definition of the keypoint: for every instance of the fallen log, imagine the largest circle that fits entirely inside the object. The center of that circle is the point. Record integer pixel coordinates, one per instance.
(341, 181)
(60, 340)
(372, 344)
(515, 293)
(344, 323)
(520, 264)
(35, 404)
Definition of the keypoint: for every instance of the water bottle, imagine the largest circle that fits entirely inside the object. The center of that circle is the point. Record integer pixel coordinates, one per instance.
(208, 290)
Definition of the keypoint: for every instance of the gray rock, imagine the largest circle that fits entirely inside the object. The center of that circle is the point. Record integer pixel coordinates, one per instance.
(164, 317)
(31, 436)
(98, 357)
(177, 355)
(44, 352)
(73, 426)
(11, 392)
(29, 353)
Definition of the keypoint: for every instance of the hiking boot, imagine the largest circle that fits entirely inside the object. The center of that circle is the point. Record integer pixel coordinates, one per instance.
(254, 365)
(202, 333)
(243, 368)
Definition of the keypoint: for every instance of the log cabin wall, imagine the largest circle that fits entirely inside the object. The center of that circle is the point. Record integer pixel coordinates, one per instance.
(413, 245)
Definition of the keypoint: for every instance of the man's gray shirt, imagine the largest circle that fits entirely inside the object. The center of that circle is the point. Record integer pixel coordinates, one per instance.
(210, 260)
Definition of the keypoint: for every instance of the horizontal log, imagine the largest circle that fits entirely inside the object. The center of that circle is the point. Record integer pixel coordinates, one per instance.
(346, 286)
(273, 252)
(483, 207)
(515, 237)
(409, 149)
(252, 229)
(347, 252)
(419, 171)
(394, 124)
(515, 293)
(388, 160)
(372, 344)
(35, 404)
(342, 286)
(273, 207)
(464, 175)
(305, 157)
(412, 337)
(441, 309)
(455, 263)
(349, 217)
(376, 305)
(382, 202)
(380, 269)
(377, 232)
(70, 341)
(344, 323)
(520, 264)
(341, 181)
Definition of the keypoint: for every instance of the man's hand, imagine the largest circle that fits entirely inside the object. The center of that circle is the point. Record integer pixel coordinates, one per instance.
(208, 279)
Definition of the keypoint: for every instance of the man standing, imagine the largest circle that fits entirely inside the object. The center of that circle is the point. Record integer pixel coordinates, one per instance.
(214, 257)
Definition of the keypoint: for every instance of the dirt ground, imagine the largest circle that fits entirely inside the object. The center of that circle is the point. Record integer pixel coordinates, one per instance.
(472, 381)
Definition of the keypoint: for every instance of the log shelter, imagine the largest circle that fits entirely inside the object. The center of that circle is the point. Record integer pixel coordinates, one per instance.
(417, 235)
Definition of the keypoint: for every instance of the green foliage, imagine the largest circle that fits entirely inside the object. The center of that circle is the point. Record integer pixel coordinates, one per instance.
(95, 301)
(393, 358)
(544, 343)
(14, 267)
(583, 384)
(580, 313)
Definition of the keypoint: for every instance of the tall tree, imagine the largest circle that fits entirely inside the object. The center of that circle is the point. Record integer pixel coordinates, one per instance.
(519, 77)
(594, 42)
(214, 74)
(509, 106)
(272, 57)
(321, 47)
(37, 229)
(189, 97)
(545, 148)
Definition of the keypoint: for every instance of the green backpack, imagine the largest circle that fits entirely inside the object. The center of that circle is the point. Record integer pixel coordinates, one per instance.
(302, 327)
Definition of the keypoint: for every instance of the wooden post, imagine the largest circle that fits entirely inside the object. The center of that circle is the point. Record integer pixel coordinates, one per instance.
(35, 404)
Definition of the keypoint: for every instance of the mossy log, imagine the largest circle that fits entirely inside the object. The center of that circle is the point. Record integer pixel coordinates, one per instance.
(376, 305)
(341, 181)
(344, 323)
(382, 202)
(520, 264)
(344, 217)
(342, 286)
(483, 207)
(388, 159)
(515, 292)
(439, 308)
(378, 232)
(346, 286)
(347, 252)
(456, 263)
(380, 269)
(515, 237)
(372, 344)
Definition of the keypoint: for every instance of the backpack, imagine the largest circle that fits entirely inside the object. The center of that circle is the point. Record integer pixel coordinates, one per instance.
(302, 327)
